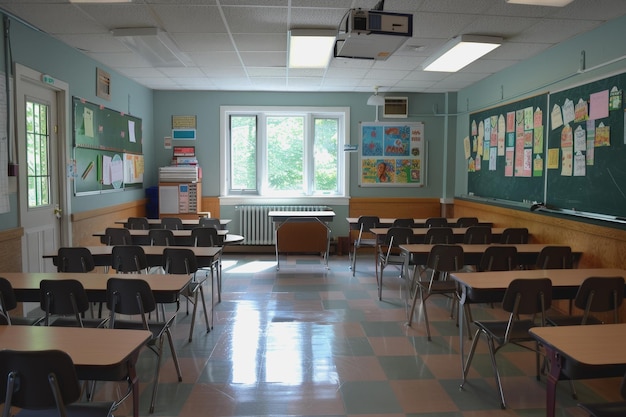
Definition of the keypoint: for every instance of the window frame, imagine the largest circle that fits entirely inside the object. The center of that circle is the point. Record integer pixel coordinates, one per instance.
(342, 114)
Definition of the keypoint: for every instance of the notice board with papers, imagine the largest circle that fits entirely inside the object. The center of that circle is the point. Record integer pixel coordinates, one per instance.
(107, 149)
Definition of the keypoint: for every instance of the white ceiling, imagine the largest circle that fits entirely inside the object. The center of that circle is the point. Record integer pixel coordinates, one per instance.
(242, 44)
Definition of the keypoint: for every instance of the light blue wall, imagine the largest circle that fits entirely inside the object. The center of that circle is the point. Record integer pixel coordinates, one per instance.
(37, 50)
(554, 70)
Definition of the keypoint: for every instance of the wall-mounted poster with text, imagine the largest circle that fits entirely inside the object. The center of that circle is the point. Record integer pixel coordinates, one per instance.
(392, 154)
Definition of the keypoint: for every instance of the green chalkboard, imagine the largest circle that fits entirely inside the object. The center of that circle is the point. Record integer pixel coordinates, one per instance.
(102, 140)
(597, 184)
(516, 171)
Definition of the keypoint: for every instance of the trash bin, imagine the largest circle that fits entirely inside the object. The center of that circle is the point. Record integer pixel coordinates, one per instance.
(152, 202)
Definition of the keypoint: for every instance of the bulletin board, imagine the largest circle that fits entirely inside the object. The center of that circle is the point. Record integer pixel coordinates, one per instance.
(504, 151)
(107, 149)
(392, 154)
(588, 146)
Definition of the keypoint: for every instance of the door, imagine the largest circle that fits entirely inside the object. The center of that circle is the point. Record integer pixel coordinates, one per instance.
(38, 150)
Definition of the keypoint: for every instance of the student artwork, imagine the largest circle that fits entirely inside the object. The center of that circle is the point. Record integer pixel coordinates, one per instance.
(615, 99)
(392, 154)
(580, 111)
(501, 134)
(603, 135)
(566, 151)
(556, 117)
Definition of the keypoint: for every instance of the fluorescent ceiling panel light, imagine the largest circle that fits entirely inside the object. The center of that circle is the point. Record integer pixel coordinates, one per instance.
(154, 45)
(553, 3)
(310, 48)
(101, 1)
(461, 51)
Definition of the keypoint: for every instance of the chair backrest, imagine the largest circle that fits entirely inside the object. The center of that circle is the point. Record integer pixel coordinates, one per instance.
(205, 236)
(74, 259)
(138, 223)
(179, 261)
(445, 258)
(498, 258)
(128, 258)
(439, 235)
(397, 236)
(63, 297)
(4, 319)
(161, 237)
(117, 236)
(466, 221)
(130, 297)
(210, 222)
(513, 235)
(8, 301)
(365, 223)
(477, 235)
(555, 257)
(436, 222)
(172, 223)
(599, 294)
(405, 222)
(528, 296)
(38, 379)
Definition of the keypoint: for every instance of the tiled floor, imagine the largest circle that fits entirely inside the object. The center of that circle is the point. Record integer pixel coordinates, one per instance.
(307, 341)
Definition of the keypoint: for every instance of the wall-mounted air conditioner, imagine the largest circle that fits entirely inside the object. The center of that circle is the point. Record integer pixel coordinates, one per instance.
(370, 34)
(396, 107)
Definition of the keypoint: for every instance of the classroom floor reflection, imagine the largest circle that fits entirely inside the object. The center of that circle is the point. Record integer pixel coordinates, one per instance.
(307, 341)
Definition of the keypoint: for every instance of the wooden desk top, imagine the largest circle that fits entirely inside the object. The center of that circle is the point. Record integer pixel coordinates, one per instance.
(86, 347)
(96, 281)
(597, 345)
(188, 222)
(560, 277)
(423, 230)
(467, 248)
(199, 251)
(176, 233)
(390, 220)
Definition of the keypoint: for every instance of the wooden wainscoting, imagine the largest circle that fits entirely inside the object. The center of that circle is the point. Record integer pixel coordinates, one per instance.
(11, 250)
(86, 223)
(416, 208)
(211, 204)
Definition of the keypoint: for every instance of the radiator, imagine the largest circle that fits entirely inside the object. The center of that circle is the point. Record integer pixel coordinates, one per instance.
(256, 226)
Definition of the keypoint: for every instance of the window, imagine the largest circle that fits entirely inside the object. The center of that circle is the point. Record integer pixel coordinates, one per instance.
(284, 152)
(37, 154)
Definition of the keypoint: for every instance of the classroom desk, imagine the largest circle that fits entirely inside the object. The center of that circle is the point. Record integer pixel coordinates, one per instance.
(98, 354)
(488, 287)
(282, 219)
(581, 352)
(187, 223)
(181, 237)
(420, 233)
(388, 222)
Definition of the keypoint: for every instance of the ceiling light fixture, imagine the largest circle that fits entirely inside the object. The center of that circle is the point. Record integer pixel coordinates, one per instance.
(460, 52)
(154, 45)
(553, 3)
(310, 48)
(101, 1)
(376, 100)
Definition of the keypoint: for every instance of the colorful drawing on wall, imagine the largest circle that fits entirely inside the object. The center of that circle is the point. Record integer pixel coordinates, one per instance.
(392, 154)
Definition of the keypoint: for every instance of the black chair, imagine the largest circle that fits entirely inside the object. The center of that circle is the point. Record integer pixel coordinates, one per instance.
(74, 259)
(466, 221)
(210, 222)
(4, 320)
(404, 222)
(442, 260)
(209, 237)
(436, 222)
(608, 409)
(172, 223)
(64, 303)
(498, 258)
(389, 253)
(439, 235)
(133, 297)
(8, 303)
(595, 295)
(513, 235)
(477, 235)
(183, 261)
(116, 236)
(138, 223)
(161, 237)
(44, 383)
(365, 238)
(555, 257)
(128, 259)
(523, 298)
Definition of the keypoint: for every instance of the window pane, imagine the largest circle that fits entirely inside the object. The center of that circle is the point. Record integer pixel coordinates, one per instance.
(243, 152)
(37, 154)
(325, 155)
(285, 153)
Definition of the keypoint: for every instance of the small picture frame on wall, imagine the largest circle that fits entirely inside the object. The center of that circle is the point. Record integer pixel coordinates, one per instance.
(103, 84)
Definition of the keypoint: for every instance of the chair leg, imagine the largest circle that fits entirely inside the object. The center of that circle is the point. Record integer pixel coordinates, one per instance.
(193, 314)
(494, 365)
(425, 314)
(379, 281)
(413, 306)
(470, 357)
(353, 267)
